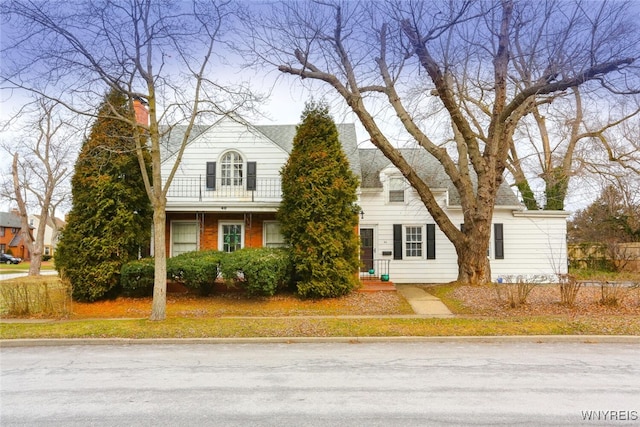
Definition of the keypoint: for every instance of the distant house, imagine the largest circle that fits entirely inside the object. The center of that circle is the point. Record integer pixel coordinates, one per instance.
(10, 238)
(50, 241)
(227, 190)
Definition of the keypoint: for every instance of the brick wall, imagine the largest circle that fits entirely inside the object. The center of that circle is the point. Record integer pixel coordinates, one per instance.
(253, 227)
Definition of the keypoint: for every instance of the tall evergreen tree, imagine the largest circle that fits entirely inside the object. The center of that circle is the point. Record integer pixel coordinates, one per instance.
(110, 220)
(317, 212)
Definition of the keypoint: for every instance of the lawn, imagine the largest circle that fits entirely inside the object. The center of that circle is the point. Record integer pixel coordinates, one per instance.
(479, 312)
(24, 267)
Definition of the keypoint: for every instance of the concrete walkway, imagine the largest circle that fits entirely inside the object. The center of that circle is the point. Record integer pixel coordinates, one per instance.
(423, 303)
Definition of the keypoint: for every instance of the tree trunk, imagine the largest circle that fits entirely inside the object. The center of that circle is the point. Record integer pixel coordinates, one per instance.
(474, 267)
(158, 308)
(473, 264)
(35, 251)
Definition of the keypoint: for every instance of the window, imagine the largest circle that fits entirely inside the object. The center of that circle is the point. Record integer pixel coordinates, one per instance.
(231, 237)
(396, 190)
(413, 241)
(273, 237)
(47, 250)
(409, 241)
(3, 248)
(231, 168)
(184, 236)
(1, 231)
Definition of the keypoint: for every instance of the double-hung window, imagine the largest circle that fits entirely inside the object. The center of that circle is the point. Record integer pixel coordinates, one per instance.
(396, 190)
(273, 237)
(184, 237)
(413, 241)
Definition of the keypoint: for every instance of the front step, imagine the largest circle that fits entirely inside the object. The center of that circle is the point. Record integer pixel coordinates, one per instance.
(376, 285)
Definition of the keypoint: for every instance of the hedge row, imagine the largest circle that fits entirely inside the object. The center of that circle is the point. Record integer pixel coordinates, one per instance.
(260, 271)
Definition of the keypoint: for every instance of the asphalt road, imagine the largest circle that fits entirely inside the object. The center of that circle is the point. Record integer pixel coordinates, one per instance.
(323, 384)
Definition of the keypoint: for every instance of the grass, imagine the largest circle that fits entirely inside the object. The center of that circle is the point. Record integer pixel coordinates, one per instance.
(318, 327)
(444, 293)
(590, 274)
(23, 267)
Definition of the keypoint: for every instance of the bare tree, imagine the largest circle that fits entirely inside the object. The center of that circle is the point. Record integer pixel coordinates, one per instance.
(445, 70)
(156, 51)
(565, 139)
(42, 156)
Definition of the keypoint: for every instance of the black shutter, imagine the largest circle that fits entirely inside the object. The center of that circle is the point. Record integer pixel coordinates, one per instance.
(431, 241)
(211, 175)
(498, 241)
(397, 241)
(251, 176)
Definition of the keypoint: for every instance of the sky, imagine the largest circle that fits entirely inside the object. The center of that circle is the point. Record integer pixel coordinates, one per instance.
(284, 106)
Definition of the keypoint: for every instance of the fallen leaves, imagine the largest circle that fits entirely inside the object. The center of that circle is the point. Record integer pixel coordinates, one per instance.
(544, 300)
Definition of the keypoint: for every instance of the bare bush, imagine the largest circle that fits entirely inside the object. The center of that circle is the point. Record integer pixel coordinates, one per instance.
(515, 290)
(569, 288)
(610, 293)
(35, 297)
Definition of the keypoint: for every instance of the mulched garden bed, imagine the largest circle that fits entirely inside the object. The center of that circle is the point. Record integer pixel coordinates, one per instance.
(544, 300)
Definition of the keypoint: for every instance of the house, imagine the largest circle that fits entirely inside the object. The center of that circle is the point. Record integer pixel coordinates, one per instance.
(50, 241)
(10, 238)
(227, 190)
(396, 226)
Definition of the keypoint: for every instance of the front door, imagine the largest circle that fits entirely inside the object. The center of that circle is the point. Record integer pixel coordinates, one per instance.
(366, 249)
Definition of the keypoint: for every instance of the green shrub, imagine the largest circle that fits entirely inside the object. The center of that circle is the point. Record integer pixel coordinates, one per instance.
(196, 270)
(260, 271)
(136, 277)
(318, 213)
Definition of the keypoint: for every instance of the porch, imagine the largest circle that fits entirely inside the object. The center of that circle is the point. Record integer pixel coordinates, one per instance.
(374, 276)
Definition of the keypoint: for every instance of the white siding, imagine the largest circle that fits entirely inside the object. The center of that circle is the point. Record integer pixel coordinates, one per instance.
(226, 135)
(534, 243)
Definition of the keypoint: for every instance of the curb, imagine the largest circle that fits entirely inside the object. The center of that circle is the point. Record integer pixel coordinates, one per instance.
(530, 339)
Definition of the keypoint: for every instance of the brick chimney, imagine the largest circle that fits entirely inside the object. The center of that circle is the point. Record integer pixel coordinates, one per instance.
(142, 114)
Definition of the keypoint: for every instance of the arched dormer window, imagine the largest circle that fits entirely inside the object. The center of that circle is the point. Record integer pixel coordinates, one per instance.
(231, 169)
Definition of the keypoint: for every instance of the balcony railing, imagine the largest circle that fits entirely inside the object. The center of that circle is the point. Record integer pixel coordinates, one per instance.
(196, 188)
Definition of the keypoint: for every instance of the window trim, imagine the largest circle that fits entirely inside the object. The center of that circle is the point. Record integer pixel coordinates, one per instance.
(221, 225)
(406, 242)
(392, 194)
(234, 181)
